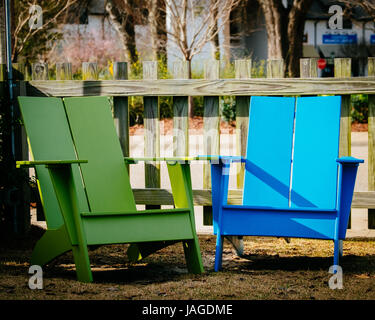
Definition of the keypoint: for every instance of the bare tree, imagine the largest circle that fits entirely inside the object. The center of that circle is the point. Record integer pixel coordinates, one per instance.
(26, 40)
(194, 23)
(285, 31)
(367, 5)
(125, 14)
(121, 14)
(157, 24)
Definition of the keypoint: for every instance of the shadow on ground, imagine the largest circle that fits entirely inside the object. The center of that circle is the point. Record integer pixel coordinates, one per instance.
(269, 269)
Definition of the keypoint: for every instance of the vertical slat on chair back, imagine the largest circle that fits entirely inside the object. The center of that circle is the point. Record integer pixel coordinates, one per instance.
(316, 147)
(105, 175)
(269, 150)
(49, 139)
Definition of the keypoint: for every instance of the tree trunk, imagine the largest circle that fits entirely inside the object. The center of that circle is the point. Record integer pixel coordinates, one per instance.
(226, 42)
(157, 23)
(215, 51)
(296, 26)
(162, 32)
(123, 22)
(285, 28)
(153, 24)
(273, 14)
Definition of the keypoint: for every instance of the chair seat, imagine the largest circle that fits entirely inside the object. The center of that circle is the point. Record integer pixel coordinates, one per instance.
(138, 212)
(281, 210)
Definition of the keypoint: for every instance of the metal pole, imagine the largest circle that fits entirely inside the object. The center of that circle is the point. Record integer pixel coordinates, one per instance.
(9, 67)
(10, 83)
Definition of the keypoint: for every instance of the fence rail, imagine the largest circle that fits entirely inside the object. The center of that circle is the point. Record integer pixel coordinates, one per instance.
(201, 87)
(211, 88)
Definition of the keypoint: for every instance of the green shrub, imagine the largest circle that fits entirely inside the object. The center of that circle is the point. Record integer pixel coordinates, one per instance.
(228, 108)
(359, 111)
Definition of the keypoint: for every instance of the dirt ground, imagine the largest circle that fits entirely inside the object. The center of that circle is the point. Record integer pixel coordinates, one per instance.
(270, 269)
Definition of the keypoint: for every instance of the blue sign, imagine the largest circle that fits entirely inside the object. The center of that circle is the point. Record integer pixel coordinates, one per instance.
(340, 38)
(372, 39)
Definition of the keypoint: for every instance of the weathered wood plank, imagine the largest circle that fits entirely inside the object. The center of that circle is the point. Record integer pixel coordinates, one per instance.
(371, 142)
(21, 214)
(364, 199)
(64, 71)
(152, 130)
(180, 114)
(343, 70)
(39, 71)
(343, 67)
(309, 68)
(202, 197)
(19, 72)
(211, 131)
(201, 87)
(242, 71)
(90, 71)
(121, 108)
(275, 69)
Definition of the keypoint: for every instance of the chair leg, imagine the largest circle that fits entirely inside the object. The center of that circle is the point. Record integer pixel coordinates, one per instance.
(219, 252)
(336, 253)
(341, 244)
(82, 262)
(193, 256)
(52, 244)
(237, 243)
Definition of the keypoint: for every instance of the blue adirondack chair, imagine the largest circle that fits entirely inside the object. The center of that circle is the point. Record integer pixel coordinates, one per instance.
(295, 185)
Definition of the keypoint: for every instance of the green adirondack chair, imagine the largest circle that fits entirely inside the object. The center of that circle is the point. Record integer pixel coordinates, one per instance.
(85, 189)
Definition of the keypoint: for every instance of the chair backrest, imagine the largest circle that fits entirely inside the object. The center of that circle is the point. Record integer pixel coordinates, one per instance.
(105, 175)
(292, 148)
(49, 138)
(105, 186)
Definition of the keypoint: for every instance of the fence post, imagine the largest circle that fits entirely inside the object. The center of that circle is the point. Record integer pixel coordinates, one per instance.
(152, 130)
(343, 70)
(371, 142)
(211, 131)
(22, 219)
(90, 71)
(243, 71)
(180, 114)
(121, 108)
(39, 71)
(309, 68)
(275, 69)
(64, 71)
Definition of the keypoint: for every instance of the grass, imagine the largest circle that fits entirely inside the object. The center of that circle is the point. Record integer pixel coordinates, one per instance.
(271, 269)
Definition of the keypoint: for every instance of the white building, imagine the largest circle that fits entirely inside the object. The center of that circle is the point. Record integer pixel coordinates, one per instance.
(248, 35)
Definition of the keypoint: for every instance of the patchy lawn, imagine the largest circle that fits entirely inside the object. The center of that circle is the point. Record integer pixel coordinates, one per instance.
(271, 269)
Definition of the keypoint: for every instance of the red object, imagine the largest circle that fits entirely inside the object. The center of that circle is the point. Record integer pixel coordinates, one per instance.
(322, 63)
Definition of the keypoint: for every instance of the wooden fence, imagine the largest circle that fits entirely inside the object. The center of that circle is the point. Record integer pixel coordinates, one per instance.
(210, 87)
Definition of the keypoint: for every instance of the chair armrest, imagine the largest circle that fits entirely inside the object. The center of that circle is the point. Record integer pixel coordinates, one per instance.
(135, 160)
(349, 161)
(220, 158)
(27, 164)
(179, 176)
